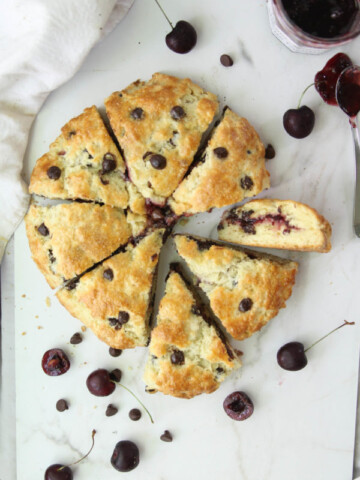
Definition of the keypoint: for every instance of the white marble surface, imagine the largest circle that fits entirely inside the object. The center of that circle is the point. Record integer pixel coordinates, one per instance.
(303, 426)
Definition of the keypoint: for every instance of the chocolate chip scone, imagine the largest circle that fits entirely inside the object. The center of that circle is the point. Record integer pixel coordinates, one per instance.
(188, 355)
(115, 299)
(245, 288)
(159, 125)
(65, 240)
(84, 163)
(231, 168)
(275, 223)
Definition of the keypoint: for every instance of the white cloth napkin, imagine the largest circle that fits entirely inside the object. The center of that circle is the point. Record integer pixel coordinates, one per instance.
(42, 44)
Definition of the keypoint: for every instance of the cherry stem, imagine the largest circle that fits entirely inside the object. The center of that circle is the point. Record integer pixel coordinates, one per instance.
(138, 399)
(82, 458)
(332, 331)
(167, 18)
(303, 93)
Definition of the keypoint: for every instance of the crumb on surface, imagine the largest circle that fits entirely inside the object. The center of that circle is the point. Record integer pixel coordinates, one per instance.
(83, 328)
(36, 316)
(40, 327)
(48, 301)
(23, 333)
(23, 295)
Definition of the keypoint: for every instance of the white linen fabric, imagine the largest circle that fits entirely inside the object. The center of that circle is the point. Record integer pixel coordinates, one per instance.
(42, 44)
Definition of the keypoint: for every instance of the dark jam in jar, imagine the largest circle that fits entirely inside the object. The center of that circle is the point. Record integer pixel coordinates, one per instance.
(322, 18)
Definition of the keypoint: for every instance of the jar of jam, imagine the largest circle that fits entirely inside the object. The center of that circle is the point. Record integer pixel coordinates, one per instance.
(312, 26)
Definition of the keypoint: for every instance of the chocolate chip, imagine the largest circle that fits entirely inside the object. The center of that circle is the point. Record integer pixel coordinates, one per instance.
(115, 352)
(89, 155)
(76, 338)
(246, 183)
(123, 317)
(43, 230)
(114, 322)
(166, 436)
(62, 405)
(137, 114)
(54, 173)
(154, 257)
(195, 310)
(269, 152)
(108, 163)
(51, 256)
(115, 375)
(220, 370)
(108, 274)
(72, 284)
(203, 245)
(177, 357)
(111, 410)
(135, 414)
(221, 152)
(177, 113)
(249, 152)
(249, 228)
(245, 305)
(158, 161)
(226, 60)
(71, 134)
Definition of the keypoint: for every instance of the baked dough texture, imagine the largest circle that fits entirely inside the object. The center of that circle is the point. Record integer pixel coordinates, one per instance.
(115, 299)
(187, 354)
(65, 240)
(245, 288)
(273, 223)
(144, 121)
(231, 168)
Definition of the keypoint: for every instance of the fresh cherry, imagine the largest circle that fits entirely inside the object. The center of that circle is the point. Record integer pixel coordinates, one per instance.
(99, 383)
(55, 362)
(292, 355)
(182, 37)
(238, 406)
(58, 472)
(125, 456)
(299, 122)
(326, 79)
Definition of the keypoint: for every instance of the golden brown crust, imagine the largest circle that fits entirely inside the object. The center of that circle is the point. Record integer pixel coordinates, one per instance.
(274, 223)
(181, 327)
(157, 132)
(80, 234)
(217, 182)
(96, 299)
(229, 275)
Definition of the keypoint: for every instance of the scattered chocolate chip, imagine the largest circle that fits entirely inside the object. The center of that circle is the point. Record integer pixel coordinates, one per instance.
(72, 284)
(150, 390)
(149, 184)
(114, 322)
(203, 245)
(115, 352)
(269, 152)
(195, 310)
(249, 152)
(62, 405)
(76, 338)
(115, 375)
(245, 305)
(108, 274)
(123, 317)
(51, 256)
(147, 154)
(246, 183)
(89, 155)
(220, 370)
(71, 134)
(54, 173)
(226, 60)
(111, 410)
(154, 257)
(221, 152)
(158, 161)
(108, 163)
(177, 357)
(43, 230)
(177, 113)
(135, 414)
(137, 114)
(166, 436)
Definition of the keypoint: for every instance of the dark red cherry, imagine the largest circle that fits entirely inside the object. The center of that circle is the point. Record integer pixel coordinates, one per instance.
(125, 456)
(291, 356)
(55, 362)
(53, 473)
(326, 79)
(238, 406)
(99, 383)
(182, 38)
(299, 122)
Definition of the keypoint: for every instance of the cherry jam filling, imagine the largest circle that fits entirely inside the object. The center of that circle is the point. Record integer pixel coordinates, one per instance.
(159, 216)
(248, 224)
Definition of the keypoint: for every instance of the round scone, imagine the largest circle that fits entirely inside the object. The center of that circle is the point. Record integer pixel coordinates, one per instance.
(272, 223)
(188, 355)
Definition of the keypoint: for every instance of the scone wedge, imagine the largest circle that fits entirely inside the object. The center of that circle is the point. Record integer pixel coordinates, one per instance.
(65, 240)
(188, 355)
(245, 288)
(231, 168)
(159, 125)
(273, 223)
(115, 299)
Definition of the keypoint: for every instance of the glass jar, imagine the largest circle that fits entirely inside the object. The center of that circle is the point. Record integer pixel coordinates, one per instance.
(299, 41)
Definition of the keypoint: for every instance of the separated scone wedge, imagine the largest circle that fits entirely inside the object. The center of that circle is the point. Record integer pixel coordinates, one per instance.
(115, 299)
(245, 288)
(188, 355)
(159, 125)
(231, 168)
(275, 223)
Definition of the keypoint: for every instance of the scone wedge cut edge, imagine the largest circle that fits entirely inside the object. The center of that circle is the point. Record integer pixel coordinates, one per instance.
(273, 223)
(188, 355)
(115, 299)
(245, 288)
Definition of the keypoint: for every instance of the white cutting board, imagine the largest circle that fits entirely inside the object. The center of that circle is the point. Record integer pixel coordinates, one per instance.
(304, 422)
